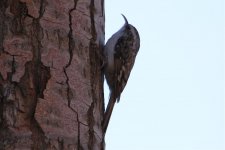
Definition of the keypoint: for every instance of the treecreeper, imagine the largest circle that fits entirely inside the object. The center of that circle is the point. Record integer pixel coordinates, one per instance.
(120, 53)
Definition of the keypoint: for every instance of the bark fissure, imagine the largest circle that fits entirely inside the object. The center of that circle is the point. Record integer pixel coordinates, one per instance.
(91, 124)
(39, 74)
(1, 103)
(78, 138)
(19, 10)
(2, 23)
(92, 14)
(31, 99)
(93, 69)
(13, 68)
(61, 144)
(71, 47)
(41, 9)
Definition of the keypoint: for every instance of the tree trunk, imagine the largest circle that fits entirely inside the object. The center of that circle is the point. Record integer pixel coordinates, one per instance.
(51, 82)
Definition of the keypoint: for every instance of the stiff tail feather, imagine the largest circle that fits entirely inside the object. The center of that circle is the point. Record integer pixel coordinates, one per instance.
(108, 112)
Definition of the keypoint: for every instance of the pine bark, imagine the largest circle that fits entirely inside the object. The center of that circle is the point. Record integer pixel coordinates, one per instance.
(51, 82)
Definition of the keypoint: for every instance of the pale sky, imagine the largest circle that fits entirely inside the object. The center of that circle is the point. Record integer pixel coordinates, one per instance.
(174, 99)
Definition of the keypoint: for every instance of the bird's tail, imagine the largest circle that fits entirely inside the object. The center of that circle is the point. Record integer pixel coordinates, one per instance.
(108, 112)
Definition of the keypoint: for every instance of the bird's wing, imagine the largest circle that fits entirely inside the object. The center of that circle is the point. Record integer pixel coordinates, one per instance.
(122, 67)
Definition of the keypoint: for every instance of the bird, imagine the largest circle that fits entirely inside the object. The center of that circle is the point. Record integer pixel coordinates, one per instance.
(120, 52)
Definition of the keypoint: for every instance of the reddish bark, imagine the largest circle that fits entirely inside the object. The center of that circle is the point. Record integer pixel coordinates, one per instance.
(51, 84)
